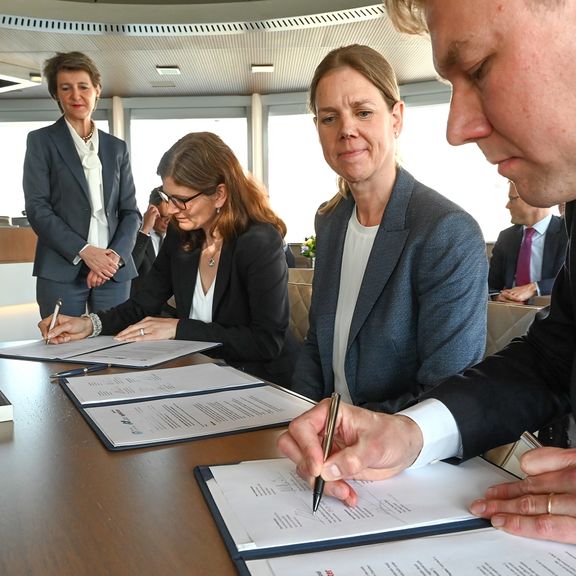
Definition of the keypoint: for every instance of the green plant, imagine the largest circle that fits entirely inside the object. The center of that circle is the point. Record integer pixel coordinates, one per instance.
(308, 248)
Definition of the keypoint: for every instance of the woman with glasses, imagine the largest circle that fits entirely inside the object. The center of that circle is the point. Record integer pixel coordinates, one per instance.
(223, 262)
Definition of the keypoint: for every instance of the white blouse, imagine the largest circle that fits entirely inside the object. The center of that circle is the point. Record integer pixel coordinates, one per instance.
(201, 308)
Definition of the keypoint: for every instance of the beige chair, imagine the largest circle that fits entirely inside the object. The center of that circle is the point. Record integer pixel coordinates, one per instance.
(505, 322)
(299, 294)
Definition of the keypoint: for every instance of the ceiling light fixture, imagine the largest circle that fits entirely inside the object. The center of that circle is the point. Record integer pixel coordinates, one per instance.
(35, 77)
(267, 68)
(168, 70)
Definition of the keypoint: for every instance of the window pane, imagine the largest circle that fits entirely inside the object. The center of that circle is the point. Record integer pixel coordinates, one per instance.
(299, 179)
(460, 173)
(12, 152)
(151, 138)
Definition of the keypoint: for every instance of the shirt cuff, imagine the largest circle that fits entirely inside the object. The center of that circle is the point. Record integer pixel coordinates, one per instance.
(77, 260)
(440, 434)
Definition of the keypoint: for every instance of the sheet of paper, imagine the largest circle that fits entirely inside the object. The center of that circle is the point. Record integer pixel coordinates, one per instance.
(97, 389)
(475, 553)
(269, 505)
(39, 350)
(144, 354)
(184, 417)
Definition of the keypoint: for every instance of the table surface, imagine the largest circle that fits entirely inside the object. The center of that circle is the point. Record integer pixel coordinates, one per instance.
(70, 506)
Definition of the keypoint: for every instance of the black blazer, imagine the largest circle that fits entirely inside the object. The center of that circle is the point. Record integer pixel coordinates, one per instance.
(505, 256)
(143, 255)
(57, 201)
(250, 311)
(528, 384)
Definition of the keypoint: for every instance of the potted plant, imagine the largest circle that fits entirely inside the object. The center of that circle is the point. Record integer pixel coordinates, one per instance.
(308, 248)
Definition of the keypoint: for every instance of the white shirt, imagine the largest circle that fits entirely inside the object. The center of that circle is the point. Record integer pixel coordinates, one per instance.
(156, 241)
(98, 233)
(202, 303)
(357, 247)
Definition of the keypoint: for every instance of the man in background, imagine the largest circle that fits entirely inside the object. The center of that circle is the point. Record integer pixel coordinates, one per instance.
(527, 256)
(150, 236)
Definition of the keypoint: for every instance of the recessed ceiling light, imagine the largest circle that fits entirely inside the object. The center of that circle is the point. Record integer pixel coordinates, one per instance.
(168, 70)
(35, 77)
(262, 68)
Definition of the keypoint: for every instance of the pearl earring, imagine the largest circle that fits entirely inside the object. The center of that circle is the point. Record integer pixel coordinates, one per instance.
(217, 210)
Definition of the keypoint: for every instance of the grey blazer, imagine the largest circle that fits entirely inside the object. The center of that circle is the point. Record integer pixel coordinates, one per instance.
(421, 311)
(57, 201)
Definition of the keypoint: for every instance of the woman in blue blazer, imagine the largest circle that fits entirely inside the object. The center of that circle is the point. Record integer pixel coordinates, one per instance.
(399, 292)
(80, 198)
(223, 262)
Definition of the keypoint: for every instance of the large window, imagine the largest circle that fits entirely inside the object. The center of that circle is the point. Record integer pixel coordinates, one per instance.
(299, 179)
(461, 173)
(150, 138)
(12, 152)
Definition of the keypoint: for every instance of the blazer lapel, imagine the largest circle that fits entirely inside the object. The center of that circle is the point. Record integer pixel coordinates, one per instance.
(388, 246)
(223, 275)
(550, 247)
(187, 270)
(65, 145)
(107, 154)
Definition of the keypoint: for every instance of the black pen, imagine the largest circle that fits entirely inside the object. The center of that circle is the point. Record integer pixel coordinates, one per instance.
(80, 371)
(327, 445)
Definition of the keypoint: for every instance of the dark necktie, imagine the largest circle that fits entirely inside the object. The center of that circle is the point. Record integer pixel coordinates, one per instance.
(523, 264)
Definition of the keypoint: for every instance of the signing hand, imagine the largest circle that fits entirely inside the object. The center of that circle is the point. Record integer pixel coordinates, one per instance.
(367, 446)
(149, 329)
(543, 505)
(67, 328)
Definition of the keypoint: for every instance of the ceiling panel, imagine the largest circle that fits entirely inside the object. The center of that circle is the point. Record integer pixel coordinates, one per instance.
(213, 62)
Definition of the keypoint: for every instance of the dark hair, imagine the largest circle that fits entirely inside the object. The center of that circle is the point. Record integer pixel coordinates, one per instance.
(69, 61)
(155, 199)
(375, 68)
(202, 161)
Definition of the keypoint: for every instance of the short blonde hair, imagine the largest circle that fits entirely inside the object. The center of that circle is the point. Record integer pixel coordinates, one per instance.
(407, 15)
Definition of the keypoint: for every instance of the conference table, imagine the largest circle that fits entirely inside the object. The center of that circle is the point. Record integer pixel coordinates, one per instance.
(70, 506)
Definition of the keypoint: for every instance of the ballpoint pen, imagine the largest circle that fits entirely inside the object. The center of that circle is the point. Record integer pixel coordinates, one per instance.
(54, 317)
(327, 445)
(80, 371)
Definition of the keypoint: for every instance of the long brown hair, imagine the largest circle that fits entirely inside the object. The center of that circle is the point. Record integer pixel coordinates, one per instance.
(203, 162)
(375, 68)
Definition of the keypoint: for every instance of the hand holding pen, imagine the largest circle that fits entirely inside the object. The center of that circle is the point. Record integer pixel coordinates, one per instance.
(327, 446)
(54, 317)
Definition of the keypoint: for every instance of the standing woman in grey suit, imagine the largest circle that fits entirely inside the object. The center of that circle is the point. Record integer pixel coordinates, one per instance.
(80, 198)
(399, 292)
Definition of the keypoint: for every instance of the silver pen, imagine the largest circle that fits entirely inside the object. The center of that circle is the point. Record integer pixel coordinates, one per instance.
(54, 317)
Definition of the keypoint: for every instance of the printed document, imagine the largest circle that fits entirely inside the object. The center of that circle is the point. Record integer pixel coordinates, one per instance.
(105, 388)
(107, 350)
(186, 417)
(486, 552)
(269, 505)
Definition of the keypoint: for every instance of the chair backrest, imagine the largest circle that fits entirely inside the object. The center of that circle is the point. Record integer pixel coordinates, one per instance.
(299, 294)
(506, 321)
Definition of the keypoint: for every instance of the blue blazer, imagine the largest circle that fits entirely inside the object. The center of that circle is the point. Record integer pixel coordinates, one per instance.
(505, 256)
(58, 201)
(421, 311)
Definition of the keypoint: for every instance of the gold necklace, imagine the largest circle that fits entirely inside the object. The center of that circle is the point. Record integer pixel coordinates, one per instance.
(90, 134)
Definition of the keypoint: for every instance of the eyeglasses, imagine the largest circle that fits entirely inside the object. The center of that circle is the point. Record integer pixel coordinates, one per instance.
(180, 203)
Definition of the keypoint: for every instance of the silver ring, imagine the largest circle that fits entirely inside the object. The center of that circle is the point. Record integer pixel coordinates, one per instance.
(549, 506)
(142, 332)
